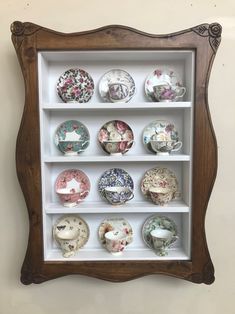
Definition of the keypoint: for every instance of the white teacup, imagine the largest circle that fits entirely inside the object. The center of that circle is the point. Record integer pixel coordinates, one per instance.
(116, 241)
(165, 147)
(68, 241)
(118, 92)
(162, 239)
(161, 196)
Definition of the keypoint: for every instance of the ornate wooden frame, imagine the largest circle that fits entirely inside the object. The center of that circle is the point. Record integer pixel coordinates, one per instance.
(28, 39)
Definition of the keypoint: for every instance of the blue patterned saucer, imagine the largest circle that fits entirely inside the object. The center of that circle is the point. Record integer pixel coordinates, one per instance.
(114, 177)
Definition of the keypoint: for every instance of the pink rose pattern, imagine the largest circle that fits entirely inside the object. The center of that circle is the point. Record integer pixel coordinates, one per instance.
(123, 129)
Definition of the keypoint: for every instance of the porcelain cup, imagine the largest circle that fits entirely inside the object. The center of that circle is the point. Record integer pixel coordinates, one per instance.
(70, 197)
(72, 148)
(165, 147)
(166, 92)
(68, 241)
(162, 239)
(116, 241)
(160, 196)
(117, 147)
(118, 92)
(117, 195)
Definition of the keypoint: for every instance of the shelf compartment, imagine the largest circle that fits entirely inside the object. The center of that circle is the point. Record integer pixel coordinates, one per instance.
(137, 250)
(108, 159)
(176, 206)
(117, 106)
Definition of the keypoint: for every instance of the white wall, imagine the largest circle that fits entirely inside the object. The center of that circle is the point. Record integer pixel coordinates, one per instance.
(150, 294)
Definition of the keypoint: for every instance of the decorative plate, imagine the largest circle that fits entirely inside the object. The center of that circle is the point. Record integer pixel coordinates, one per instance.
(116, 130)
(72, 131)
(159, 177)
(116, 76)
(164, 130)
(75, 85)
(73, 179)
(71, 222)
(160, 76)
(119, 224)
(114, 177)
(156, 222)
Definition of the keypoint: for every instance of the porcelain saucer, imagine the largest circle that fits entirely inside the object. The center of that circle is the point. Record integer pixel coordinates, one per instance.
(75, 85)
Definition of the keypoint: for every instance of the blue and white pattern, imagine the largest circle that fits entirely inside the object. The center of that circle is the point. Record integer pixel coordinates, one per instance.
(115, 177)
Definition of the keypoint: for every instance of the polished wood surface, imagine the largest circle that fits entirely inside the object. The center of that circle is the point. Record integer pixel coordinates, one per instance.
(28, 39)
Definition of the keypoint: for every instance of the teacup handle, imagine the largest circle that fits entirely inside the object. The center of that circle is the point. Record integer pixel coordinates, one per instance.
(181, 93)
(131, 197)
(83, 192)
(177, 146)
(82, 150)
(130, 142)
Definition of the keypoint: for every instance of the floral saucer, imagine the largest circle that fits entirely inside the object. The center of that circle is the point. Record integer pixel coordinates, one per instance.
(158, 222)
(72, 186)
(116, 132)
(72, 137)
(119, 224)
(114, 177)
(116, 76)
(159, 178)
(164, 130)
(161, 75)
(71, 233)
(75, 85)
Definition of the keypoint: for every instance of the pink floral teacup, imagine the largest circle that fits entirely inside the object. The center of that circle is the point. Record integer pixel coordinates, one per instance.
(71, 197)
(117, 147)
(118, 92)
(116, 241)
(167, 92)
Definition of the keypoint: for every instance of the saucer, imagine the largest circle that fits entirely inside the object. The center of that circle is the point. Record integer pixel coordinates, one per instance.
(116, 130)
(161, 75)
(75, 85)
(116, 76)
(158, 222)
(72, 131)
(73, 179)
(164, 129)
(159, 177)
(114, 177)
(119, 224)
(71, 222)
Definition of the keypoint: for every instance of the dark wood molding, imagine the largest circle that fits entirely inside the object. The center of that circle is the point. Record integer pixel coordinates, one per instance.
(28, 39)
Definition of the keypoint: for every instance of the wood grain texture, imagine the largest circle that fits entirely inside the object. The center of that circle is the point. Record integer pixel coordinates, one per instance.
(28, 39)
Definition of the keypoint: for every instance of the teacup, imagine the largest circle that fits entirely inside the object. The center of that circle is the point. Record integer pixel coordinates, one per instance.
(117, 195)
(167, 92)
(161, 196)
(70, 197)
(115, 241)
(162, 239)
(68, 241)
(165, 147)
(71, 148)
(116, 147)
(118, 92)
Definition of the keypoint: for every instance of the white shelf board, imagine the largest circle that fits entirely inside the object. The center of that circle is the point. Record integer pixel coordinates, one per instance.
(107, 158)
(105, 106)
(128, 254)
(176, 206)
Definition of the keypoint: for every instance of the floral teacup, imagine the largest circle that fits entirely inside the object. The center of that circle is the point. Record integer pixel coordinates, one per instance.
(162, 239)
(165, 147)
(71, 197)
(161, 196)
(118, 92)
(72, 148)
(117, 147)
(115, 241)
(167, 92)
(68, 240)
(117, 195)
